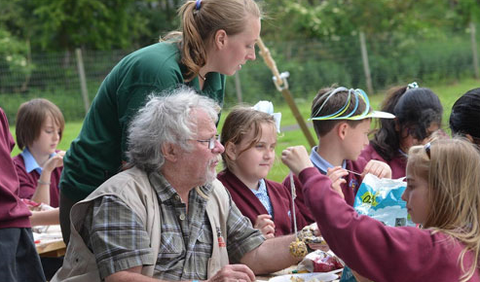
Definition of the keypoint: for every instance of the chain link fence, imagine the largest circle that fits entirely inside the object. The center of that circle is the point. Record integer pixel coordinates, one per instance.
(311, 64)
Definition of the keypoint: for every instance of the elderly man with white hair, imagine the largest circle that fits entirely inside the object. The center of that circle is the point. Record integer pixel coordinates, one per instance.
(166, 216)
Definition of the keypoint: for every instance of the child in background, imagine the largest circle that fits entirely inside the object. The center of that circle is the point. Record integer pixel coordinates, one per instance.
(442, 195)
(418, 113)
(39, 128)
(20, 260)
(465, 116)
(341, 119)
(249, 137)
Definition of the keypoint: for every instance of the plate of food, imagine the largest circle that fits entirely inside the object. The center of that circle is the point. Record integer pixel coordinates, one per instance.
(307, 277)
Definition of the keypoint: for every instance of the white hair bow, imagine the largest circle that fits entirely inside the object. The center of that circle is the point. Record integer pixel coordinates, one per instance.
(267, 107)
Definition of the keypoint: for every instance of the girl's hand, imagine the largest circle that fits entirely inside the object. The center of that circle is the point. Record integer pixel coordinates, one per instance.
(54, 162)
(296, 158)
(336, 175)
(265, 224)
(378, 168)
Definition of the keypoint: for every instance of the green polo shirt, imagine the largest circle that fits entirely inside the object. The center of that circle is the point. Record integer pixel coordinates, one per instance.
(98, 151)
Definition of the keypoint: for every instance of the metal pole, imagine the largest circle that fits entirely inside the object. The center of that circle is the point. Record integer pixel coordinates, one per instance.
(238, 87)
(473, 36)
(366, 66)
(83, 80)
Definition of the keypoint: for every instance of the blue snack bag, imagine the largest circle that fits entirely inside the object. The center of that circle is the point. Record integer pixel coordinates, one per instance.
(381, 199)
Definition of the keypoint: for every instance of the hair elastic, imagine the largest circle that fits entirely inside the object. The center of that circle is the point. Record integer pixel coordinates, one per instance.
(198, 4)
(412, 85)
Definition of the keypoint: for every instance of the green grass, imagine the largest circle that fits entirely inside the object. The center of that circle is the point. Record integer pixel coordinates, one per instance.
(448, 95)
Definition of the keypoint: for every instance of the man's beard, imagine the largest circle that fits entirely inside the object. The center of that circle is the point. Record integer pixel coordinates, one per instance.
(210, 175)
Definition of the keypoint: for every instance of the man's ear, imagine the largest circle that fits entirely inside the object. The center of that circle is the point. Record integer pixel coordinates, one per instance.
(220, 39)
(231, 151)
(170, 152)
(342, 130)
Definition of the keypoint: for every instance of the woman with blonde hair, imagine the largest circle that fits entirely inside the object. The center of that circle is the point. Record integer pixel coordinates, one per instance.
(442, 195)
(215, 39)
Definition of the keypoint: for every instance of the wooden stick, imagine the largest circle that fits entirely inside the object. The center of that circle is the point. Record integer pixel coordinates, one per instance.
(267, 57)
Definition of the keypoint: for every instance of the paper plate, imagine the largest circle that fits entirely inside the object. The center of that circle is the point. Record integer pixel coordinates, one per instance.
(307, 277)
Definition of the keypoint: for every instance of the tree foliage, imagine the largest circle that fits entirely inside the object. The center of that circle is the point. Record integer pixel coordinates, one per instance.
(59, 25)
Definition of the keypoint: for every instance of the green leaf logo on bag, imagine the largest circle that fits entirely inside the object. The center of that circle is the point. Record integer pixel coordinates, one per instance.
(370, 198)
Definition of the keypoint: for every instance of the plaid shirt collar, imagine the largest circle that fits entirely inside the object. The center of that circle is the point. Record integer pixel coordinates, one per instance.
(165, 191)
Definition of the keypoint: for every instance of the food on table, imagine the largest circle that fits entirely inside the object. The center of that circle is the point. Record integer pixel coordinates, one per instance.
(300, 279)
(307, 235)
(320, 261)
(296, 279)
(298, 248)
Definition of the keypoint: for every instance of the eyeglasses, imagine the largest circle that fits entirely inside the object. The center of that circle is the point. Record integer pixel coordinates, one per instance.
(427, 149)
(211, 142)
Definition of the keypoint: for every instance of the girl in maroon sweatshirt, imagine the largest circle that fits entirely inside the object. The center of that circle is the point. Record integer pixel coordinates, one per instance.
(20, 260)
(418, 113)
(442, 194)
(249, 137)
(39, 129)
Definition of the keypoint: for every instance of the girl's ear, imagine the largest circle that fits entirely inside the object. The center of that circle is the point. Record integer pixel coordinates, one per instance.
(170, 152)
(220, 39)
(231, 151)
(342, 129)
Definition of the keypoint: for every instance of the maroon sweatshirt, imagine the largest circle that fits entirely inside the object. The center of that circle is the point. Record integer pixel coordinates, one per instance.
(13, 212)
(398, 164)
(251, 207)
(376, 251)
(28, 181)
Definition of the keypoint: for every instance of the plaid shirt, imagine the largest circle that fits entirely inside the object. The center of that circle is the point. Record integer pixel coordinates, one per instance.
(120, 241)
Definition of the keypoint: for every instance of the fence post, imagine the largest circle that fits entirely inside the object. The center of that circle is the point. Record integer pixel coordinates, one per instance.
(366, 66)
(238, 87)
(83, 80)
(473, 36)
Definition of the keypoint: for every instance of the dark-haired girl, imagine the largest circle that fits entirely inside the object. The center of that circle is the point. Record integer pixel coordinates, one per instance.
(465, 116)
(418, 113)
